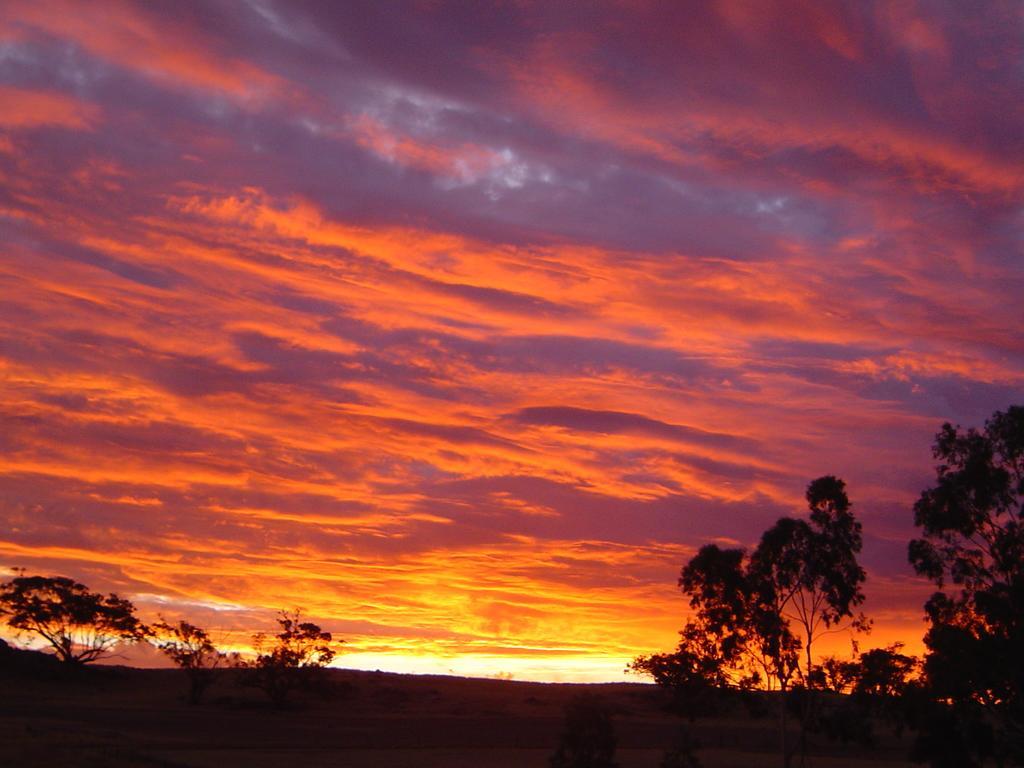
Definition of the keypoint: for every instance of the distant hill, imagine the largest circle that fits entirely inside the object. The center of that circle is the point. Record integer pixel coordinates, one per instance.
(20, 663)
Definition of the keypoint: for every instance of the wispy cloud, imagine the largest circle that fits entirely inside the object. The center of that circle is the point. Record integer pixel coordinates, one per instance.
(470, 325)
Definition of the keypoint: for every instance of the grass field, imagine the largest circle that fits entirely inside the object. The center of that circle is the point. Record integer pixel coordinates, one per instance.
(120, 717)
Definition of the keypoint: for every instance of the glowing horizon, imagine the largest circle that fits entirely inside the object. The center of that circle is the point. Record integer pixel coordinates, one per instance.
(462, 329)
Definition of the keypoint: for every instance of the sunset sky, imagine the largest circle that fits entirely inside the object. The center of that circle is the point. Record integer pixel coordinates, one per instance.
(462, 326)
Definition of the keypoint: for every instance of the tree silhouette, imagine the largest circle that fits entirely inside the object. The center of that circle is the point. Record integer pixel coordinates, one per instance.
(81, 626)
(588, 738)
(810, 569)
(695, 674)
(291, 660)
(973, 539)
(738, 612)
(876, 685)
(803, 574)
(807, 573)
(882, 673)
(883, 679)
(191, 649)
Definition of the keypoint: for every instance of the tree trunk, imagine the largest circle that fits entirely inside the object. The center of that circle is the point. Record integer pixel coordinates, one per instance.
(782, 729)
(805, 707)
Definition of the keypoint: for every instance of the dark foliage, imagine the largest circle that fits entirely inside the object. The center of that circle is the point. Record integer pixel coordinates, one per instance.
(588, 738)
(753, 615)
(80, 625)
(973, 549)
(882, 673)
(871, 688)
(695, 675)
(292, 660)
(808, 570)
(191, 649)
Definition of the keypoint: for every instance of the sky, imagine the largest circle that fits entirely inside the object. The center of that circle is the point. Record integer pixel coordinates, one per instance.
(462, 326)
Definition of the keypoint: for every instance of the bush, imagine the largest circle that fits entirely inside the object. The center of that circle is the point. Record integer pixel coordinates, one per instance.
(191, 649)
(293, 660)
(588, 738)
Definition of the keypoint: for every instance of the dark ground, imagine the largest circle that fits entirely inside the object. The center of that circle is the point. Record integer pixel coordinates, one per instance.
(121, 717)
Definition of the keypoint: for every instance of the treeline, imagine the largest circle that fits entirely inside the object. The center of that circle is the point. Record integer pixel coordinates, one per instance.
(756, 617)
(82, 626)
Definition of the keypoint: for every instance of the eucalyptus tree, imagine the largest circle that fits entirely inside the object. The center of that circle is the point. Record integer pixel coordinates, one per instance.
(972, 548)
(753, 615)
(192, 650)
(290, 660)
(78, 624)
(807, 574)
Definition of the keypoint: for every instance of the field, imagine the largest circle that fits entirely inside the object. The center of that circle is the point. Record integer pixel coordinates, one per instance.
(120, 717)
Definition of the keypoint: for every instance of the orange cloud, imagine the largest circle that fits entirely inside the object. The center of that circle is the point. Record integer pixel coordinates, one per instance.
(554, 85)
(24, 108)
(249, 360)
(169, 50)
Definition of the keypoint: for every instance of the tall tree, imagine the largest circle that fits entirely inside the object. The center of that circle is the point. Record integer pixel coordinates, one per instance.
(973, 549)
(80, 625)
(809, 569)
(739, 618)
(806, 573)
(752, 616)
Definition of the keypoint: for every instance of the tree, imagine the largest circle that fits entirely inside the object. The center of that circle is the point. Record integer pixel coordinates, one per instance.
(191, 649)
(80, 625)
(292, 660)
(883, 674)
(809, 569)
(734, 640)
(695, 674)
(803, 574)
(973, 542)
(808, 573)
(882, 682)
(738, 616)
(588, 739)
(877, 685)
